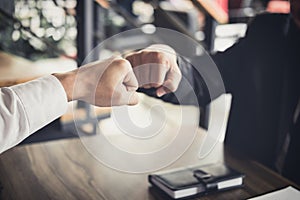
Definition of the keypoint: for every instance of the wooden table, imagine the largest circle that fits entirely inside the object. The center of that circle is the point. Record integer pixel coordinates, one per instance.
(65, 170)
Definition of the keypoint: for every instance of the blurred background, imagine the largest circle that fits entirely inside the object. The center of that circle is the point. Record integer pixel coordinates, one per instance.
(39, 37)
(37, 29)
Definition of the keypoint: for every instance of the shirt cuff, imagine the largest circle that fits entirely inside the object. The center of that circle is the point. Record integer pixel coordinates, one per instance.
(44, 100)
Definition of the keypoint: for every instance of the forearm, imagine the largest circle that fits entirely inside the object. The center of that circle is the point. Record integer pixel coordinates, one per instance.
(27, 107)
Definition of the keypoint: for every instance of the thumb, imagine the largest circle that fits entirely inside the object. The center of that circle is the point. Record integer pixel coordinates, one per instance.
(161, 91)
(131, 85)
(133, 99)
(171, 82)
(130, 81)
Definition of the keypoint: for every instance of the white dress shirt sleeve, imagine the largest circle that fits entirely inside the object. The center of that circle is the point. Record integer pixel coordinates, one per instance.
(27, 107)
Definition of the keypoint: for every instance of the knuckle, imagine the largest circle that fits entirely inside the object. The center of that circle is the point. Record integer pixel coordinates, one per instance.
(155, 56)
(158, 56)
(130, 58)
(122, 64)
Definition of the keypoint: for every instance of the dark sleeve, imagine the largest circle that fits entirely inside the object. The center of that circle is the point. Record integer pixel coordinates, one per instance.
(233, 63)
(231, 66)
(193, 87)
(212, 75)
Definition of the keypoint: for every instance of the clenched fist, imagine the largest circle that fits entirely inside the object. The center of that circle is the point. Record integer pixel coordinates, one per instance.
(156, 67)
(102, 83)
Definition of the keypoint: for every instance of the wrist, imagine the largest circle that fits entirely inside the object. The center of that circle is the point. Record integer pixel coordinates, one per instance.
(67, 80)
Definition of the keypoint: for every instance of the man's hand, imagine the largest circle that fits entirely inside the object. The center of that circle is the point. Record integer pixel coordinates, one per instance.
(156, 67)
(103, 83)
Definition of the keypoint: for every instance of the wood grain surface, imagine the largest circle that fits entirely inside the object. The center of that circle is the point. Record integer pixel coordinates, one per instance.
(65, 170)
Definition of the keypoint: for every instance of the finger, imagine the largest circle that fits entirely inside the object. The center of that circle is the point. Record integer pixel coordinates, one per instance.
(134, 59)
(130, 81)
(147, 86)
(124, 97)
(133, 99)
(171, 83)
(161, 91)
(158, 74)
(122, 82)
(152, 75)
(142, 73)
